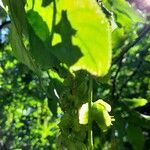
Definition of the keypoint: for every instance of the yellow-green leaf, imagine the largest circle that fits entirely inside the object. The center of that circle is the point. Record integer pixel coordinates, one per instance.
(81, 34)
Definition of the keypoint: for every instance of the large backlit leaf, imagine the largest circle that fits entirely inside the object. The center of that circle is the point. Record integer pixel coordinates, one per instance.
(82, 38)
(39, 39)
(39, 26)
(45, 12)
(92, 35)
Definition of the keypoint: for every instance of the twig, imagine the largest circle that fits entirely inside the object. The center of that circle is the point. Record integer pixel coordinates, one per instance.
(125, 49)
(118, 59)
(115, 78)
(90, 136)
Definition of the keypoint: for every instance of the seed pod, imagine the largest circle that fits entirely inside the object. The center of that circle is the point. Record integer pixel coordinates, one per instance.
(83, 114)
(100, 114)
(104, 104)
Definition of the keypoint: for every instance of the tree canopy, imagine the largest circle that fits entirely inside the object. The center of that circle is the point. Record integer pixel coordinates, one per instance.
(74, 75)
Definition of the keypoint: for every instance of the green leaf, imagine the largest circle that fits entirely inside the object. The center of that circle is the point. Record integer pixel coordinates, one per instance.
(19, 48)
(18, 28)
(126, 15)
(65, 51)
(41, 53)
(92, 35)
(46, 13)
(117, 38)
(38, 39)
(39, 26)
(125, 8)
(17, 14)
(140, 120)
(81, 34)
(135, 137)
(135, 102)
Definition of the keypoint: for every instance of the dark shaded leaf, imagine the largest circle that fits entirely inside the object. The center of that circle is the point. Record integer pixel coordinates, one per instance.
(52, 104)
(135, 137)
(46, 2)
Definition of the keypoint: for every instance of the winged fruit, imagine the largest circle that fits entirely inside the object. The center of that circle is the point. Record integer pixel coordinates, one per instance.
(100, 114)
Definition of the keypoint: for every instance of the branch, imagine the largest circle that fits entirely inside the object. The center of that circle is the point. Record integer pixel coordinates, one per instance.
(125, 49)
(141, 57)
(115, 78)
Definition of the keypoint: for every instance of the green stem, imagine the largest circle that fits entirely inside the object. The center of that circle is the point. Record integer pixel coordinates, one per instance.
(90, 134)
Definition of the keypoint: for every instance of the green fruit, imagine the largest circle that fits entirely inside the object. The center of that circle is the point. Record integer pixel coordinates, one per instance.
(101, 116)
(104, 104)
(99, 112)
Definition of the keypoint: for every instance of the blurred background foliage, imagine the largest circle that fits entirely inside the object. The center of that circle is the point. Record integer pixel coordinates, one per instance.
(25, 119)
(29, 117)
